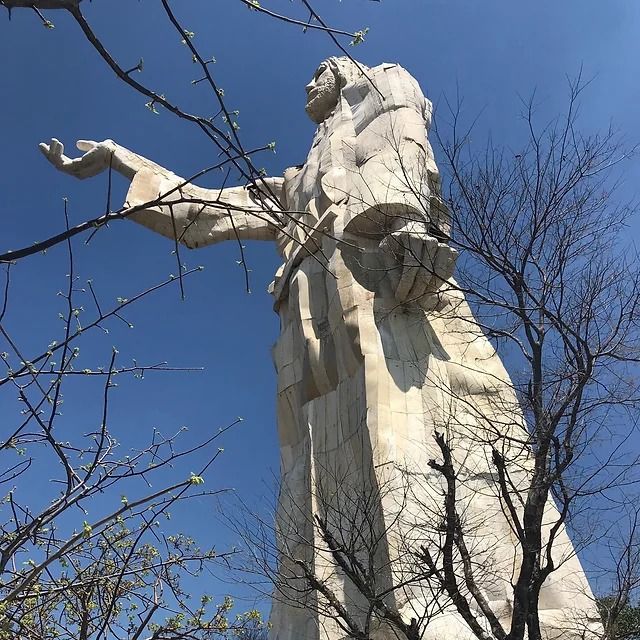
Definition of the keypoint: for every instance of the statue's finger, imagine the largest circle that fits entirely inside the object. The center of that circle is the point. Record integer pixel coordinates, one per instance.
(410, 269)
(452, 257)
(56, 155)
(415, 248)
(444, 264)
(420, 288)
(56, 148)
(86, 145)
(44, 148)
(424, 272)
(406, 283)
(427, 254)
(422, 283)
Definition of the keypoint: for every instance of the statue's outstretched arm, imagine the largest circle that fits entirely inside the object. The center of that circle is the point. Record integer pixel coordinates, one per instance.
(169, 205)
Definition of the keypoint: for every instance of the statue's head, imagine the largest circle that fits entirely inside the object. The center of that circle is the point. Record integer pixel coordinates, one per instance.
(323, 92)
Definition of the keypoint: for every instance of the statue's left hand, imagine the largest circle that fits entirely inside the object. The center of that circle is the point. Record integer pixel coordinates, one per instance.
(96, 158)
(421, 264)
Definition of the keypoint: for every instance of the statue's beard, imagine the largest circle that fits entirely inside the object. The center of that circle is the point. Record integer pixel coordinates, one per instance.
(321, 102)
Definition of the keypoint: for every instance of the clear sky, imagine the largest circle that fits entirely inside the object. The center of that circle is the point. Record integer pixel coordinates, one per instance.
(52, 83)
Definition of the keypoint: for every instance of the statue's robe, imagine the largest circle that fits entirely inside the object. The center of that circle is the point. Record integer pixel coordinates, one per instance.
(364, 381)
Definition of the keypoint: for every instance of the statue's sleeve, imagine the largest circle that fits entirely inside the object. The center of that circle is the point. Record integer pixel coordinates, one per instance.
(172, 207)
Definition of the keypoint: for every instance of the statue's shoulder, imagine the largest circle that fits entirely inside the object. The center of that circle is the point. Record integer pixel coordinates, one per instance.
(392, 68)
(291, 172)
(396, 88)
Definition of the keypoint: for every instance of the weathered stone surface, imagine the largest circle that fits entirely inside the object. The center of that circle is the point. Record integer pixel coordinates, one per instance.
(378, 350)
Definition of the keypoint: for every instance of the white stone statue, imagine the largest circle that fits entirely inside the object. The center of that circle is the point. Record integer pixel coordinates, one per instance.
(377, 351)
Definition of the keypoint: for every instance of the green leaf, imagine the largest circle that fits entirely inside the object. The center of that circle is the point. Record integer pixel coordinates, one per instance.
(358, 37)
(194, 479)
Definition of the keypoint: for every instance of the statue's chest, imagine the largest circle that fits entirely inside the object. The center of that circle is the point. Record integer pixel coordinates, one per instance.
(306, 184)
(331, 150)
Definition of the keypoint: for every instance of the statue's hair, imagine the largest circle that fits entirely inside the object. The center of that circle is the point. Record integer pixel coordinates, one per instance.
(345, 70)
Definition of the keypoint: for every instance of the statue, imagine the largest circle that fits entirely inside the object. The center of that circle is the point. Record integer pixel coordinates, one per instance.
(378, 351)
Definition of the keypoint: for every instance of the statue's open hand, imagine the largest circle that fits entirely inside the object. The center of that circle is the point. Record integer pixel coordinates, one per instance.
(96, 158)
(420, 265)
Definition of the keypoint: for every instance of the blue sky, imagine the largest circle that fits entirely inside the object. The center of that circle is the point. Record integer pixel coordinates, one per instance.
(52, 83)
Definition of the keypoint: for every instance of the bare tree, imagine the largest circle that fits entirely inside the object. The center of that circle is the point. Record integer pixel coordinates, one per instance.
(87, 557)
(552, 276)
(303, 563)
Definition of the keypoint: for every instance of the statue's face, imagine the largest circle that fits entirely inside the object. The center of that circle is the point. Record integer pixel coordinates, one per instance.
(322, 94)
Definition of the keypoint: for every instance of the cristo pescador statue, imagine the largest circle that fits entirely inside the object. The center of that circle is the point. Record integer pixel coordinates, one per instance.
(379, 363)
